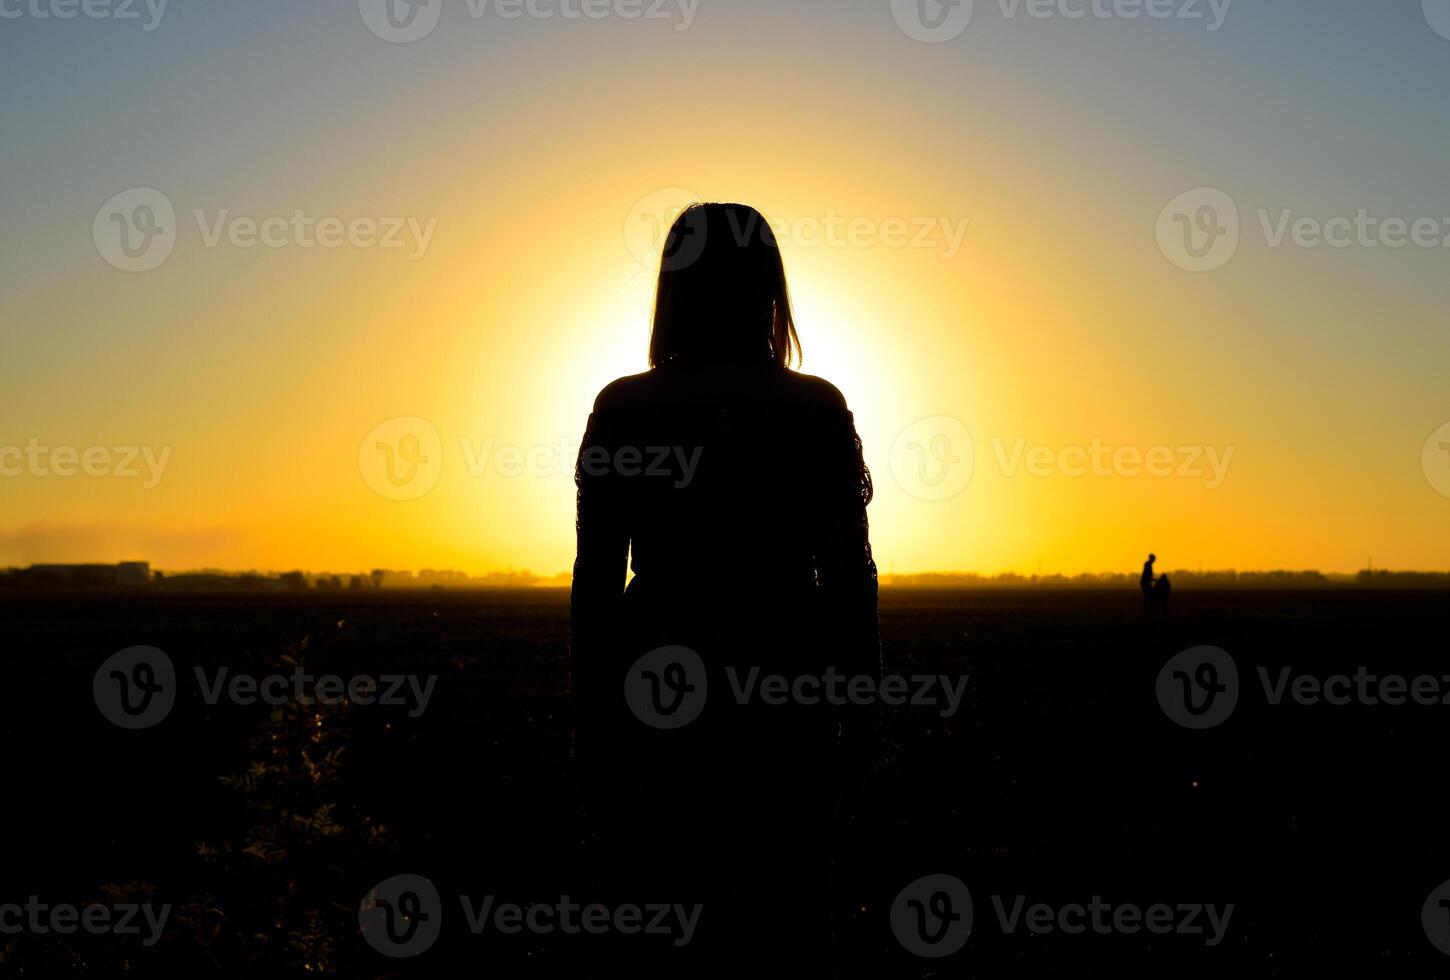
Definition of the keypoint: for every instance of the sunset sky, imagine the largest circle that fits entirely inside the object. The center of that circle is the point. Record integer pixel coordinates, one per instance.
(974, 228)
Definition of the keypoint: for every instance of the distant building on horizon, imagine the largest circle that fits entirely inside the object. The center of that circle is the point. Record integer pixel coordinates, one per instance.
(127, 574)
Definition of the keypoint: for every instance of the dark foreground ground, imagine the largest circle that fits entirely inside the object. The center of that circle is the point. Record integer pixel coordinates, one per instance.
(1060, 779)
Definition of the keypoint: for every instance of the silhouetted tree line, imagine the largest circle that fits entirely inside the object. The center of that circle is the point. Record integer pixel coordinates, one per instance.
(1182, 578)
(29, 579)
(99, 577)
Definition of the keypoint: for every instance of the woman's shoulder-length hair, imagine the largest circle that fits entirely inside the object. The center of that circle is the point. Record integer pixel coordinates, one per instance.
(722, 292)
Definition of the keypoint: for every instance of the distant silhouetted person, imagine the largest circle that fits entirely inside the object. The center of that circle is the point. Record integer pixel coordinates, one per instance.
(1161, 592)
(736, 490)
(1145, 582)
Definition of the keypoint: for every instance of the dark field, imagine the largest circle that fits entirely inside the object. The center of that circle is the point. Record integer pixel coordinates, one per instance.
(1060, 779)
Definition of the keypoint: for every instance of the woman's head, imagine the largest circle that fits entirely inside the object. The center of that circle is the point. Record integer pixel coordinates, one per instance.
(722, 292)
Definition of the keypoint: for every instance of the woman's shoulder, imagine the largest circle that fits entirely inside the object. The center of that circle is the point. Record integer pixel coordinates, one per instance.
(678, 386)
(629, 391)
(818, 391)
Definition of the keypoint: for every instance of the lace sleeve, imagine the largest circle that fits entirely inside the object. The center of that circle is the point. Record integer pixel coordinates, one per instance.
(599, 574)
(845, 570)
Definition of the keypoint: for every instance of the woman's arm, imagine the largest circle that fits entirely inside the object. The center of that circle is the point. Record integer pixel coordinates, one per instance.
(846, 571)
(598, 587)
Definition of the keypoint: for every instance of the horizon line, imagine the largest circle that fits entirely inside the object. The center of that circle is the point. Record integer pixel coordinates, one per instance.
(526, 573)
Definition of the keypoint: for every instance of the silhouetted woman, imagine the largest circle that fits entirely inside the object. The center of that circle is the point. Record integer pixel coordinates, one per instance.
(735, 487)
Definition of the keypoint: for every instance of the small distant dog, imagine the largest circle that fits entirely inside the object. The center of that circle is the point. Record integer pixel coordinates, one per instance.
(1161, 591)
